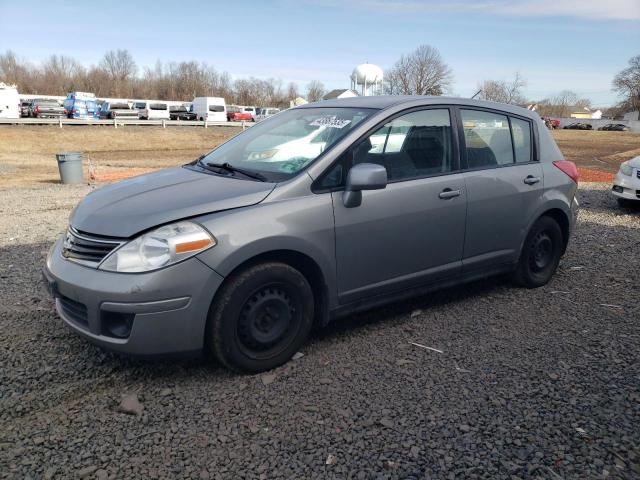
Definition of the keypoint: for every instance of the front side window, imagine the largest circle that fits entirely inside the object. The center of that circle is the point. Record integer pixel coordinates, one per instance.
(414, 145)
(487, 138)
(287, 143)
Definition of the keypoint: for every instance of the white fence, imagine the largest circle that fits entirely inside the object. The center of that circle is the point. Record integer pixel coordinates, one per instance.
(116, 122)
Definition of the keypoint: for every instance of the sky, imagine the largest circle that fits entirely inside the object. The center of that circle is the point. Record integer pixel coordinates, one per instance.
(556, 45)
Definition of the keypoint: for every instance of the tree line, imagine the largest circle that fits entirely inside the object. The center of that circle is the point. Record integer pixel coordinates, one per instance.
(420, 72)
(118, 75)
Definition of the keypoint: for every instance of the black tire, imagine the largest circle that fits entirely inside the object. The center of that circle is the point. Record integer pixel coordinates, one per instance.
(540, 254)
(628, 204)
(260, 318)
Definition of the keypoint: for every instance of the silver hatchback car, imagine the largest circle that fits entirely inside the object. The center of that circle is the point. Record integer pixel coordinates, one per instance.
(313, 214)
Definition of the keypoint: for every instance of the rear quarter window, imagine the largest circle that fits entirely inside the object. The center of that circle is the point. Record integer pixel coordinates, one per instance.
(521, 131)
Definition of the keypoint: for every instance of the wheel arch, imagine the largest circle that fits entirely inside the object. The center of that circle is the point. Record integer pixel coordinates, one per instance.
(305, 265)
(561, 217)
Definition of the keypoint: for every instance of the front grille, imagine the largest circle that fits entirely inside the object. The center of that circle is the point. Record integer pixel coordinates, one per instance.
(638, 173)
(88, 249)
(74, 311)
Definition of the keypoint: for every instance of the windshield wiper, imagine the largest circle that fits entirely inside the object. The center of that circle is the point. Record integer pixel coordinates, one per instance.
(231, 169)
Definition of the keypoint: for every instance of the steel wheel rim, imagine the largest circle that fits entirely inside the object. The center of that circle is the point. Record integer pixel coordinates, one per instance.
(541, 252)
(269, 320)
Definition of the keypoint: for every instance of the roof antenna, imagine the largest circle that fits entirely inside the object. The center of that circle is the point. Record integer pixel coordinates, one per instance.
(476, 94)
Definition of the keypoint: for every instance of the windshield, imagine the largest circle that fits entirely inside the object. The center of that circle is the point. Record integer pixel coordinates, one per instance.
(286, 143)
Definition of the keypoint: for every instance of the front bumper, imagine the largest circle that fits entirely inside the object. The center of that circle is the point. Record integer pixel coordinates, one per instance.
(627, 187)
(165, 311)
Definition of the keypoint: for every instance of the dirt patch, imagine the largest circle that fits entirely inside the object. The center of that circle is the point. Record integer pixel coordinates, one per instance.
(603, 151)
(27, 153)
(588, 175)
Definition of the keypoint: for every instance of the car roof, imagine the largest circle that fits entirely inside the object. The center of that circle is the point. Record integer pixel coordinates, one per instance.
(382, 102)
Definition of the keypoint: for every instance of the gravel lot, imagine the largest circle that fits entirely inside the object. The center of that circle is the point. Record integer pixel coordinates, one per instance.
(529, 384)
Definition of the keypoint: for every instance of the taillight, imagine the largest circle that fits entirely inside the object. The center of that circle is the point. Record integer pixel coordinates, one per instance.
(569, 168)
(38, 109)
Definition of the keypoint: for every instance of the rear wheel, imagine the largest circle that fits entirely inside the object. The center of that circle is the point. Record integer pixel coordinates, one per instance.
(540, 254)
(260, 317)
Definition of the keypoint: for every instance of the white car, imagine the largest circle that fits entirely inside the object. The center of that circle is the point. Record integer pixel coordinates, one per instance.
(626, 185)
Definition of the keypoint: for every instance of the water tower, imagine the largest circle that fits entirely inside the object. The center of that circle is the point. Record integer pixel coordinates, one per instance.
(366, 79)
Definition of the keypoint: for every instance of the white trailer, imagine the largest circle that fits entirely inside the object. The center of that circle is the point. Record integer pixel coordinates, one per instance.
(9, 101)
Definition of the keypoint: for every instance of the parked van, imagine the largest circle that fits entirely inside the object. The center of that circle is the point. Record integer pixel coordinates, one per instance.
(81, 105)
(150, 110)
(265, 112)
(9, 101)
(212, 109)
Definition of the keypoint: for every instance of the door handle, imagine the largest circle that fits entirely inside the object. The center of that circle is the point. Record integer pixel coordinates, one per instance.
(448, 193)
(531, 180)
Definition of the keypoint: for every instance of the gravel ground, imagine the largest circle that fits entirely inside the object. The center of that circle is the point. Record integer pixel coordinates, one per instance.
(528, 384)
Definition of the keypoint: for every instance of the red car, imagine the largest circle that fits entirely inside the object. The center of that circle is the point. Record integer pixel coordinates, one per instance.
(235, 114)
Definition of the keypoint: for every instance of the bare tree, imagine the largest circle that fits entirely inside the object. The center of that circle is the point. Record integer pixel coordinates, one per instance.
(421, 72)
(315, 91)
(627, 84)
(61, 74)
(292, 91)
(502, 91)
(121, 69)
(15, 72)
(562, 104)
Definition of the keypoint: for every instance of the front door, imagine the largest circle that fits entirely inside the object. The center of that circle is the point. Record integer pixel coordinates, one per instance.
(412, 232)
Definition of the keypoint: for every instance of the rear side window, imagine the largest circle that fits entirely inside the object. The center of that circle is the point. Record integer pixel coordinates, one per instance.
(521, 131)
(216, 108)
(487, 138)
(158, 106)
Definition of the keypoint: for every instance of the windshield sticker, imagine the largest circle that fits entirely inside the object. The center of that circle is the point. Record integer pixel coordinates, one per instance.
(331, 122)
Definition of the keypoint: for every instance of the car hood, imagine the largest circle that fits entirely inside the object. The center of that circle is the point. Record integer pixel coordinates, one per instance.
(131, 206)
(635, 162)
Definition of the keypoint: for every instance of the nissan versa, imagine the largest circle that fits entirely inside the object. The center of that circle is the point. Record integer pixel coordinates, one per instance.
(315, 213)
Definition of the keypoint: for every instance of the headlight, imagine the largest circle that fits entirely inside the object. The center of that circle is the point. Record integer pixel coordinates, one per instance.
(626, 169)
(159, 248)
(262, 155)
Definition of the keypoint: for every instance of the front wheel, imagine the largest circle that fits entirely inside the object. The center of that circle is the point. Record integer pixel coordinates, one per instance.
(260, 318)
(540, 254)
(625, 203)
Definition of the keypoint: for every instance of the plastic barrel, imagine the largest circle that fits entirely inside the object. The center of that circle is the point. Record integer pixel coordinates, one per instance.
(70, 166)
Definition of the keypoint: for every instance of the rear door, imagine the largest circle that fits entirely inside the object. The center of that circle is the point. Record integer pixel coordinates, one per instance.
(411, 232)
(504, 183)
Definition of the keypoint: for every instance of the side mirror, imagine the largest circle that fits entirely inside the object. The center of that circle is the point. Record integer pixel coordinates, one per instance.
(364, 176)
